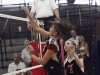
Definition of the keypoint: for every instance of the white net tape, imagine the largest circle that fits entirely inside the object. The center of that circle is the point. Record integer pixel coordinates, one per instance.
(17, 18)
(23, 70)
(13, 17)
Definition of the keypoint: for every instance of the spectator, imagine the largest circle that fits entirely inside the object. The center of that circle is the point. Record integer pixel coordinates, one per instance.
(17, 64)
(74, 37)
(83, 48)
(44, 10)
(25, 54)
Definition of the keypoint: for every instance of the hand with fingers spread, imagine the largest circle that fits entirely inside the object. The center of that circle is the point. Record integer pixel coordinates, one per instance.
(25, 9)
(27, 12)
(30, 49)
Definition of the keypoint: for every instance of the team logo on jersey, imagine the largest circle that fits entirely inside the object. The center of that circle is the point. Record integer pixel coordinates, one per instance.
(71, 68)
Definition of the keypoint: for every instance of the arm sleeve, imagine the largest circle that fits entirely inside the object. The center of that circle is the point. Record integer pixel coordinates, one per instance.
(22, 54)
(9, 69)
(80, 56)
(23, 65)
(69, 39)
(52, 47)
(53, 4)
(33, 9)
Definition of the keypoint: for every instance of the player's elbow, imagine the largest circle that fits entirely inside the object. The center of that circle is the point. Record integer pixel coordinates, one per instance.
(43, 63)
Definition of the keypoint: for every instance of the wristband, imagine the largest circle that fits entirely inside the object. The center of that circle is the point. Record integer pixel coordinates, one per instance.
(58, 19)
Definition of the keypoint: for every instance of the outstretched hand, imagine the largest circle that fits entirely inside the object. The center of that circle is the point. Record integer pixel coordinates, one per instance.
(25, 9)
(28, 14)
(30, 49)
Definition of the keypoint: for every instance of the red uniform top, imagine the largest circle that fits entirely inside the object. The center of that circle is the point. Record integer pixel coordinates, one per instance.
(37, 71)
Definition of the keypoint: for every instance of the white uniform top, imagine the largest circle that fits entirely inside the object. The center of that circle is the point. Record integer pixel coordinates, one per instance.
(75, 40)
(25, 55)
(43, 8)
(13, 67)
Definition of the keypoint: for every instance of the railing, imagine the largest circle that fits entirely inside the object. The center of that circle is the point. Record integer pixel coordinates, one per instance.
(4, 43)
(1, 53)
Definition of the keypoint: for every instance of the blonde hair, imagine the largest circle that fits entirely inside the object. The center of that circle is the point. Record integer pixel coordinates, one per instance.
(81, 44)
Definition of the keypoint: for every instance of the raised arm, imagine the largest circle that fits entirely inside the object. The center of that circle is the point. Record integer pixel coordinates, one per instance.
(54, 7)
(57, 13)
(10, 69)
(35, 26)
(78, 60)
(45, 58)
(28, 23)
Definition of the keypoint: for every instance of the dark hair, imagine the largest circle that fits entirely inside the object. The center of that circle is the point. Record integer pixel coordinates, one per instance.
(73, 30)
(62, 27)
